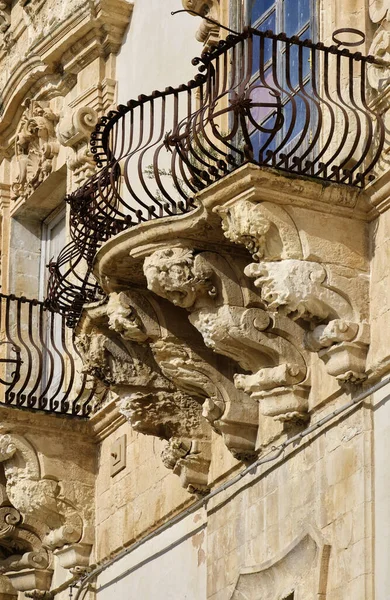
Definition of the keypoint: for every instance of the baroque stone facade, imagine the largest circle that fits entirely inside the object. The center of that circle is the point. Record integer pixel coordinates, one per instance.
(238, 334)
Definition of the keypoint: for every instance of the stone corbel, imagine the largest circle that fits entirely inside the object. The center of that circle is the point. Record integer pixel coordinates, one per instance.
(74, 131)
(191, 368)
(37, 518)
(327, 301)
(208, 33)
(206, 285)
(111, 340)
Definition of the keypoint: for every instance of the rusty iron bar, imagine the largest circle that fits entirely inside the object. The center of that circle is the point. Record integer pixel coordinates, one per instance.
(39, 366)
(258, 97)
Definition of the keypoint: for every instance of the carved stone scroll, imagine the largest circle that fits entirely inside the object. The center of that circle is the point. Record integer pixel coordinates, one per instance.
(74, 131)
(207, 286)
(327, 301)
(36, 516)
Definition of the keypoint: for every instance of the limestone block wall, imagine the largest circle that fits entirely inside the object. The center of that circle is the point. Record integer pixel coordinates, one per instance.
(303, 524)
(138, 498)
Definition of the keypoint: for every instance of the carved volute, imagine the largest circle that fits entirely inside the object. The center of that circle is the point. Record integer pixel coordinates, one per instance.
(36, 518)
(236, 301)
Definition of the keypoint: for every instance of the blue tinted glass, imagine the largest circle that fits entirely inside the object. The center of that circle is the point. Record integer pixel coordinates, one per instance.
(296, 15)
(306, 35)
(268, 23)
(303, 111)
(292, 69)
(263, 100)
(259, 7)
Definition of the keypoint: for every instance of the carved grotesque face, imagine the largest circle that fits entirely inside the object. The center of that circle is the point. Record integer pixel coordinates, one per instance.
(292, 284)
(169, 274)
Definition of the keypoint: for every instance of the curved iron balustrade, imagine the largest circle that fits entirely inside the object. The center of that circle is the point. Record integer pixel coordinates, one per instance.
(258, 97)
(38, 367)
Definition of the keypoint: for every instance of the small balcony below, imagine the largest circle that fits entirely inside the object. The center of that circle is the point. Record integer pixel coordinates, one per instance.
(40, 368)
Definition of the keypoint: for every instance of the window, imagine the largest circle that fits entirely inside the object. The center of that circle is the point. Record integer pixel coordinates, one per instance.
(284, 86)
(293, 17)
(52, 241)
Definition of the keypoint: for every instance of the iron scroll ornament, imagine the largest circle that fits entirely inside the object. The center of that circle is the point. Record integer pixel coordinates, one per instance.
(358, 42)
(15, 375)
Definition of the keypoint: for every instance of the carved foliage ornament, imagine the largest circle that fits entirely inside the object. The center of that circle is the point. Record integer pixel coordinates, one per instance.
(36, 147)
(242, 334)
(320, 294)
(35, 517)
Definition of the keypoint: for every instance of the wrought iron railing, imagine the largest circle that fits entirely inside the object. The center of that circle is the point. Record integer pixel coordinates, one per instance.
(275, 101)
(39, 364)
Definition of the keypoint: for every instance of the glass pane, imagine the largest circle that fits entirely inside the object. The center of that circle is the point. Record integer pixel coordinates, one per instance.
(296, 15)
(259, 7)
(267, 24)
(264, 100)
(292, 69)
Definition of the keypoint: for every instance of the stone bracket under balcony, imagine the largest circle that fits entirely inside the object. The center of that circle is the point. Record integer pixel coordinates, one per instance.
(237, 304)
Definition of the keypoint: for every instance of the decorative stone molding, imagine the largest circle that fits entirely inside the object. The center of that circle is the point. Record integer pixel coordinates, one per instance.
(379, 76)
(263, 325)
(110, 340)
(203, 285)
(175, 417)
(52, 47)
(77, 126)
(82, 165)
(208, 33)
(5, 23)
(36, 519)
(36, 147)
(230, 412)
(309, 291)
(306, 291)
(301, 571)
(74, 131)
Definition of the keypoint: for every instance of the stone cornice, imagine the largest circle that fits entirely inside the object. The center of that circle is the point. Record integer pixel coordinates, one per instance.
(52, 63)
(252, 182)
(123, 253)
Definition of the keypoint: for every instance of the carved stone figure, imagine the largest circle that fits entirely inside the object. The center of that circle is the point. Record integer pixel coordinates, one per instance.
(122, 319)
(111, 342)
(36, 147)
(265, 229)
(36, 517)
(328, 300)
(208, 288)
(173, 273)
(298, 288)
